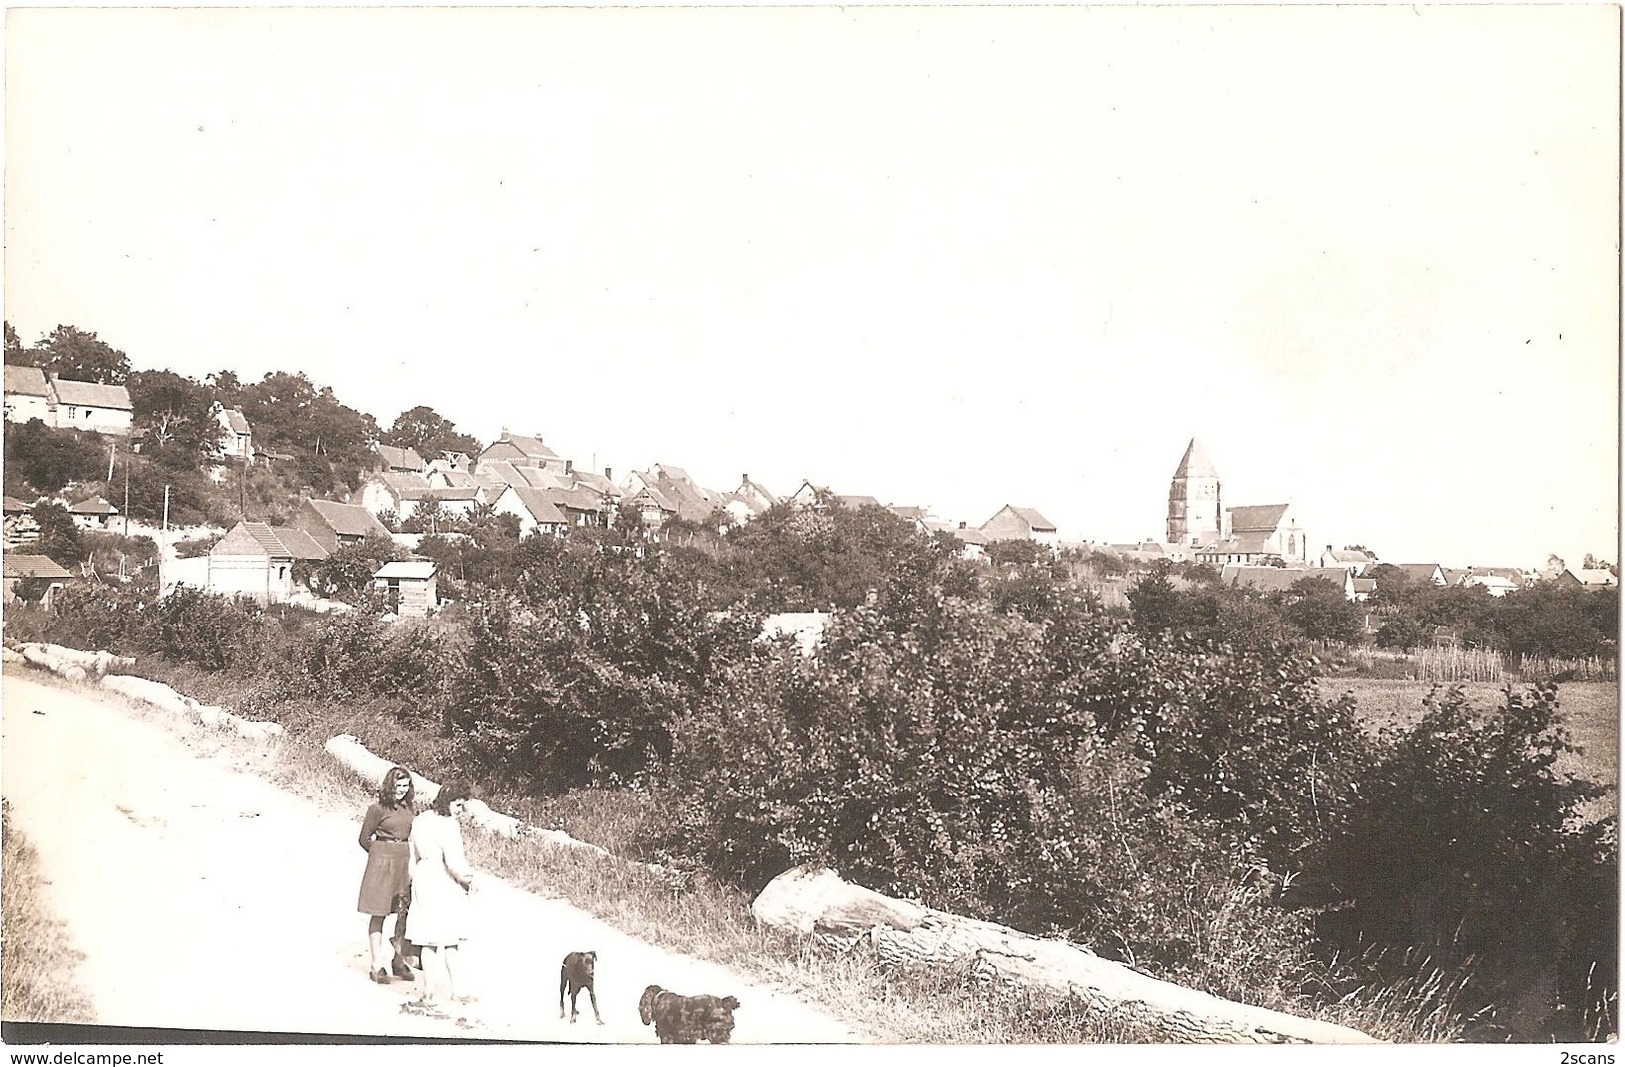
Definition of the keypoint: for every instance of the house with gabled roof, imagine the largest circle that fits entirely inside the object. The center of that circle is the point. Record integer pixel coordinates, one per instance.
(1012, 523)
(236, 435)
(535, 512)
(334, 525)
(653, 509)
(1280, 579)
(1587, 578)
(1355, 558)
(521, 451)
(1431, 573)
(386, 491)
(257, 560)
(41, 570)
(28, 395)
(92, 406)
(808, 495)
(94, 513)
(1507, 578)
(693, 502)
(451, 501)
(401, 459)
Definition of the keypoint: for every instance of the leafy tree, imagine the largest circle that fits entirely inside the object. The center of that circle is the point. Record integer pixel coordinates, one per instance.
(14, 345)
(331, 443)
(347, 573)
(58, 536)
(44, 460)
(69, 352)
(423, 429)
(177, 412)
(1401, 632)
(1318, 610)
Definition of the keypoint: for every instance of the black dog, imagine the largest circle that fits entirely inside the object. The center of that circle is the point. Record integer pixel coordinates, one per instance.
(680, 1020)
(576, 975)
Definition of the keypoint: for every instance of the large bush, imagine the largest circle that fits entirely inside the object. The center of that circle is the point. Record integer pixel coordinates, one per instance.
(1466, 842)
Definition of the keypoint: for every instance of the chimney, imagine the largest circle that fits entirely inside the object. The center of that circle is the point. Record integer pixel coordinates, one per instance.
(569, 466)
(961, 524)
(608, 474)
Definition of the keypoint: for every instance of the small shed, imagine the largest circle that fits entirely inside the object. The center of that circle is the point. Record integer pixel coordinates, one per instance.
(33, 578)
(409, 585)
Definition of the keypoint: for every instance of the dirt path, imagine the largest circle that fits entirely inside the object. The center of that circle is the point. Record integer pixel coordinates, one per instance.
(205, 898)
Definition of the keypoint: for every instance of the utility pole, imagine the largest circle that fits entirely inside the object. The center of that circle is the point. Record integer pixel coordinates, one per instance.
(166, 509)
(126, 496)
(112, 450)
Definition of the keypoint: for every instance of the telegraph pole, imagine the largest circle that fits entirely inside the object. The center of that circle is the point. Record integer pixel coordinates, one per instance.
(166, 509)
(126, 496)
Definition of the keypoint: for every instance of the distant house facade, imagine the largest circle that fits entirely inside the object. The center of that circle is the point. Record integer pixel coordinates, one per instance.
(535, 512)
(89, 406)
(35, 579)
(1279, 579)
(92, 514)
(29, 396)
(1011, 523)
(521, 451)
(257, 561)
(66, 403)
(1353, 559)
(236, 436)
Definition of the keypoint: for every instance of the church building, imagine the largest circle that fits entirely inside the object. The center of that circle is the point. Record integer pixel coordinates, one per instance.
(1198, 519)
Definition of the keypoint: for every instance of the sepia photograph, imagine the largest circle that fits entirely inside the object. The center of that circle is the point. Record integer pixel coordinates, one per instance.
(817, 528)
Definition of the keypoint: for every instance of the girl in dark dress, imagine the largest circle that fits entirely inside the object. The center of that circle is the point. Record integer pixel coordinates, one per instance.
(386, 887)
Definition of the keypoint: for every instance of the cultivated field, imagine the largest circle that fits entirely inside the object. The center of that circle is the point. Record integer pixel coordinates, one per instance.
(1591, 712)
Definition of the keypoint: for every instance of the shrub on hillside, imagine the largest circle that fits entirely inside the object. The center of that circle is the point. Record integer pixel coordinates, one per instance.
(1465, 841)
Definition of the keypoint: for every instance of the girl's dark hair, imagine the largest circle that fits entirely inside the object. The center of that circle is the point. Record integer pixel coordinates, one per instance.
(451, 793)
(386, 788)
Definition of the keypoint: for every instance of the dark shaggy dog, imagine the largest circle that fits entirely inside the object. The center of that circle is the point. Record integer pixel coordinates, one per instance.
(680, 1020)
(576, 975)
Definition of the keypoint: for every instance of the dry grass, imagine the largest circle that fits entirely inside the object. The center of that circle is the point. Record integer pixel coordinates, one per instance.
(36, 953)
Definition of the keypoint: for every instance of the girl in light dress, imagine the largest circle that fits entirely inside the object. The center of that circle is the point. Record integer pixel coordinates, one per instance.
(441, 882)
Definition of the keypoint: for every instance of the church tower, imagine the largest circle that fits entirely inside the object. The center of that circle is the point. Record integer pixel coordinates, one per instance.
(1194, 510)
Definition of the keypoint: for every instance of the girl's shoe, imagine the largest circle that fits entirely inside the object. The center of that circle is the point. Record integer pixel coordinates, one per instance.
(401, 970)
(380, 976)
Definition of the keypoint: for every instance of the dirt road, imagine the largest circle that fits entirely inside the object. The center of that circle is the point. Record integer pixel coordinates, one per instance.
(206, 898)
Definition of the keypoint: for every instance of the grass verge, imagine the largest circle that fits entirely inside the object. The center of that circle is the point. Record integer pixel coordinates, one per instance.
(36, 955)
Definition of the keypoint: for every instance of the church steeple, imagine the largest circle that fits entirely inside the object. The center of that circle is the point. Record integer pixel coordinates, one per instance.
(1194, 508)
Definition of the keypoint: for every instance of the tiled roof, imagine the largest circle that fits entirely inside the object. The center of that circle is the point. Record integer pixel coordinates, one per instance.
(856, 500)
(1272, 579)
(1257, 517)
(1595, 576)
(401, 457)
(94, 506)
(300, 544)
(1422, 572)
(26, 381)
(970, 535)
(656, 497)
(579, 498)
(531, 447)
(12, 505)
(540, 507)
(234, 421)
(91, 394)
(402, 481)
(17, 566)
(351, 520)
(1511, 574)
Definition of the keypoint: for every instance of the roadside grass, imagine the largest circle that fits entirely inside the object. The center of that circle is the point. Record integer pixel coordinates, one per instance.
(696, 915)
(36, 953)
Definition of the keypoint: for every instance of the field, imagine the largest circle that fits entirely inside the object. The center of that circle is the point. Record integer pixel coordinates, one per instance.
(1591, 711)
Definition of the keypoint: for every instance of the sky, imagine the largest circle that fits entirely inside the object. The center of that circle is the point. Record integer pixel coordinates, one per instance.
(951, 257)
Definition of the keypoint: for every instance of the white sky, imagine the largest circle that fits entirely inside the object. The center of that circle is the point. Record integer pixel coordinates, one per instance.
(944, 256)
